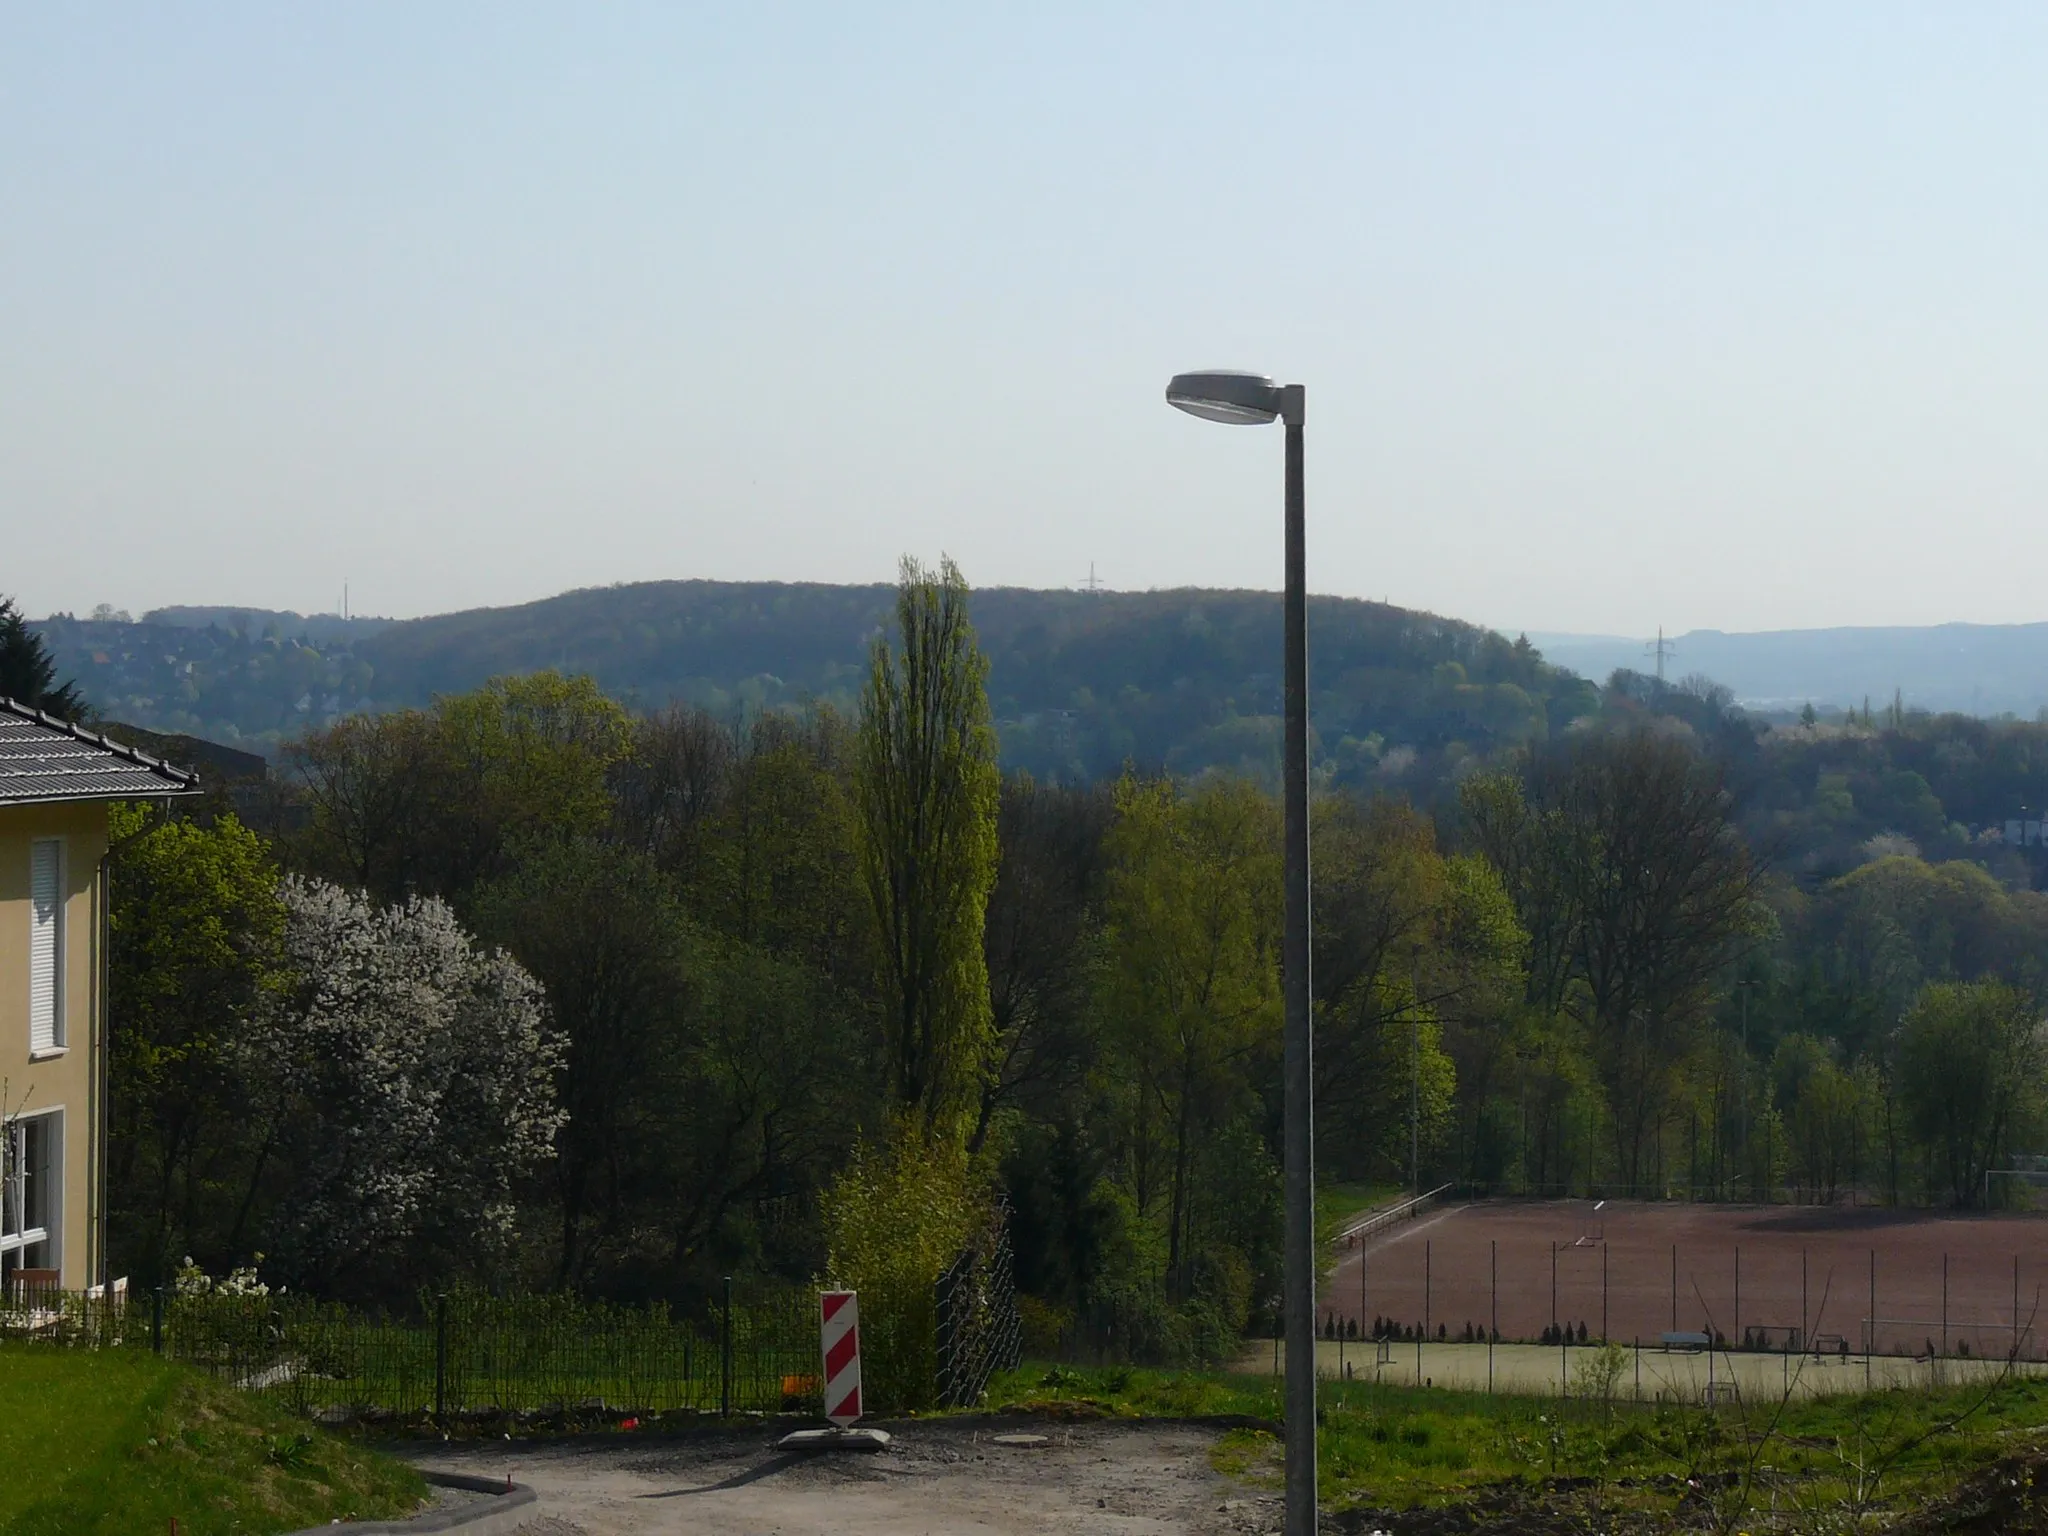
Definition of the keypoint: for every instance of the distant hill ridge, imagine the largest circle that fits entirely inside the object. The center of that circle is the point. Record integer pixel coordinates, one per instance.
(1080, 682)
(1977, 669)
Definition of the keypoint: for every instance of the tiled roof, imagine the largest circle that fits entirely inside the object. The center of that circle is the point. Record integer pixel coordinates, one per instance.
(44, 758)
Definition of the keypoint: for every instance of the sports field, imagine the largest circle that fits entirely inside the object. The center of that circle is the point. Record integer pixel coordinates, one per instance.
(1904, 1283)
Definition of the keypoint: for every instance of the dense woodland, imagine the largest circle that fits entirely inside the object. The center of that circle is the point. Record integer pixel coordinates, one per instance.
(534, 989)
(1079, 682)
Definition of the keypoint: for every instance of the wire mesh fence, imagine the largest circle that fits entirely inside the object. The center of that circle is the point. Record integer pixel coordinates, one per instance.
(461, 1354)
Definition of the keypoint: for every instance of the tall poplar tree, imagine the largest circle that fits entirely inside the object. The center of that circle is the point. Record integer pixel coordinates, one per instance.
(926, 787)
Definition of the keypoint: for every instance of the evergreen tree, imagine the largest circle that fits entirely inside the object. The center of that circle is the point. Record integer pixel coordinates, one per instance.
(28, 673)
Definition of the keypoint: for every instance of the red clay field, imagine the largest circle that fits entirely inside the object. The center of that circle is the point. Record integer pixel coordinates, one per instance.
(1636, 1270)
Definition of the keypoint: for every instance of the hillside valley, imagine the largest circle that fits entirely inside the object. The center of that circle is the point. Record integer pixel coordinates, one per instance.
(1080, 682)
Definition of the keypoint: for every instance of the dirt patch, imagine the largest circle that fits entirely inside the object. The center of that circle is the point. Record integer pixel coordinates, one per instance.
(1137, 1480)
(2009, 1499)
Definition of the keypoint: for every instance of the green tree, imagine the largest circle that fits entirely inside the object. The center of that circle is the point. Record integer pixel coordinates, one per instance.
(28, 673)
(197, 933)
(1636, 889)
(438, 801)
(1043, 938)
(1409, 943)
(1192, 986)
(925, 791)
(1971, 1057)
(700, 1072)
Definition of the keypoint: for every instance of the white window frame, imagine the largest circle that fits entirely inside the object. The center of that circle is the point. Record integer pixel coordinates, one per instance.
(47, 1035)
(15, 1236)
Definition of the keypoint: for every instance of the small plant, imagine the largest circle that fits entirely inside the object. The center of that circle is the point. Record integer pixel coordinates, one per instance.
(291, 1452)
(1596, 1372)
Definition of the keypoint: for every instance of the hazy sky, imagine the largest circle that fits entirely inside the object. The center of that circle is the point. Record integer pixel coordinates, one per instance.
(1610, 316)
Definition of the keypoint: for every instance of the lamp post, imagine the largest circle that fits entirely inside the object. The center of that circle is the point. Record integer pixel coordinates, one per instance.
(1250, 399)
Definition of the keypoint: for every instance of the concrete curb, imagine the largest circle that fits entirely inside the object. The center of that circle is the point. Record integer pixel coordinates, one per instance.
(513, 1506)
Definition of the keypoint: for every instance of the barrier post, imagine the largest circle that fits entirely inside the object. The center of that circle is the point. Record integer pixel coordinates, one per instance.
(839, 1347)
(1870, 1328)
(1603, 1290)
(1944, 1305)
(1493, 1248)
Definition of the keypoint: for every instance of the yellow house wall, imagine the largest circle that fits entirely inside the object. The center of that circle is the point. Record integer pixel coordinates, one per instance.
(67, 1078)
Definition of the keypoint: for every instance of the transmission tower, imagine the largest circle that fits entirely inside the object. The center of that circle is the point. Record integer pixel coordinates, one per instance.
(1663, 650)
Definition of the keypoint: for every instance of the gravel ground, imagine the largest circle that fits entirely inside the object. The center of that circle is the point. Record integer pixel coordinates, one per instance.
(951, 1477)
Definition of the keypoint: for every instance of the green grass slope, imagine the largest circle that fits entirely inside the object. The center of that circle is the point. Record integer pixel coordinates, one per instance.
(114, 1442)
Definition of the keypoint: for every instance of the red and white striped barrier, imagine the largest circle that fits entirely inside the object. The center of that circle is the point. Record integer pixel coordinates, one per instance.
(839, 1335)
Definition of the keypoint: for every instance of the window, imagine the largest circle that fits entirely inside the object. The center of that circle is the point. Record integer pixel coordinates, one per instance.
(46, 945)
(30, 1170)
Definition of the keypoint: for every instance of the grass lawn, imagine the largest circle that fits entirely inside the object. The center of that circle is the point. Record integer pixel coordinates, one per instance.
(1336, 1204)
(115, 1442)
(1389, 1447)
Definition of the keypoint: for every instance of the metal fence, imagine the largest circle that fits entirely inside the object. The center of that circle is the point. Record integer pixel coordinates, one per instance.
(459, 1355)
(979, 1331)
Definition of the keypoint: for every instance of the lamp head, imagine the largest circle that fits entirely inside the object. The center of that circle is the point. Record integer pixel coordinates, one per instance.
(1225, 395)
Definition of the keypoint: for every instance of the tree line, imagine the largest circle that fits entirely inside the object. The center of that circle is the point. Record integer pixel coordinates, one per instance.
(528, 989)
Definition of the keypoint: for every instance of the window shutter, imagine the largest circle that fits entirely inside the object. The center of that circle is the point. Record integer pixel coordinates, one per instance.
(46, 946)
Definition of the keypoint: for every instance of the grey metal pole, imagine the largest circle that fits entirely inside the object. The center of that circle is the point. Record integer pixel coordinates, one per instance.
(1298, 1060)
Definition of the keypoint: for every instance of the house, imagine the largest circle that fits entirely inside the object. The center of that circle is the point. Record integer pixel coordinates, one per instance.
(56, 781)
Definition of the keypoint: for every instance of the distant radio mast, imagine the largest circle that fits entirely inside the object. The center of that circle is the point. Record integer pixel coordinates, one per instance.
(1662, 650)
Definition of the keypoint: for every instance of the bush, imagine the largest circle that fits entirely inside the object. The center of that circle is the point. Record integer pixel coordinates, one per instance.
(894, 1219)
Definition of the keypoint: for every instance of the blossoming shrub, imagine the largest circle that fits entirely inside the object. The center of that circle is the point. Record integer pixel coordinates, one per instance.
(408, 1077)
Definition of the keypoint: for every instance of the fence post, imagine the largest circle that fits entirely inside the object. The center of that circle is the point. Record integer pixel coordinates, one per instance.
(725, 1355)
(1493, 1329)
(156, 1320)
(441, 1362)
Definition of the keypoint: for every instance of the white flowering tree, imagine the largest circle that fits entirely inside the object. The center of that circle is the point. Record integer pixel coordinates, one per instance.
(410, 1077)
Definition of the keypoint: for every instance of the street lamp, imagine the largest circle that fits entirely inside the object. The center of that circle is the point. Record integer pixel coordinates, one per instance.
(1251, 399)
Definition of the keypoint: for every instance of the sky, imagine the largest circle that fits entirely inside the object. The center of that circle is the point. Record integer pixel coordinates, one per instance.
(1610, 316)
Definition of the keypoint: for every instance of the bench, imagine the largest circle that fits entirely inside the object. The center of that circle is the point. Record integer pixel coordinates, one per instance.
(1829, 1344)
(1683, 1340)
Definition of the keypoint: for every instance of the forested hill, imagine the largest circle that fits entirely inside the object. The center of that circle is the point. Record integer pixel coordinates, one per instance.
(1080, 682)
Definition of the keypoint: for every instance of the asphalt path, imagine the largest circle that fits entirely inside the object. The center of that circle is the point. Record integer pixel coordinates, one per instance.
(953, 1476)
